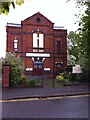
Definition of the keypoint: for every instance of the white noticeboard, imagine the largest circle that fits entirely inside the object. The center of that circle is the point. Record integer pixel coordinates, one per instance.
(77, 69)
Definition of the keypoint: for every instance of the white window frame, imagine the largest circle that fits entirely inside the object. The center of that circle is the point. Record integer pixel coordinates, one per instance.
(41, 41)
(15, 44)
(35, 42)
(38, 40)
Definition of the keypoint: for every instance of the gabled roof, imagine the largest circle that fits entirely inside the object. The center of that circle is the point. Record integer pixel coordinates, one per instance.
(40, 15)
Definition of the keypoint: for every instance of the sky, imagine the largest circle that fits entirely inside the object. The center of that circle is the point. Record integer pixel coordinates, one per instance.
(57, 11)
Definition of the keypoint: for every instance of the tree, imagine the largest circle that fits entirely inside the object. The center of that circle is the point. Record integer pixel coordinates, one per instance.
(71, 60)
(84, 31)
(5, 5)
(75, 50)
(16, 68)
(84, 28)
(84, 36)
(73, 44)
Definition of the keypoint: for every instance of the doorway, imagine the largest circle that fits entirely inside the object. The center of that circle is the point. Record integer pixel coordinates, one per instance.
(37, 68)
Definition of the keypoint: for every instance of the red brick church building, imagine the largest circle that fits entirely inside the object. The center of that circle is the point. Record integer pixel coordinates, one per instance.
(41, 45)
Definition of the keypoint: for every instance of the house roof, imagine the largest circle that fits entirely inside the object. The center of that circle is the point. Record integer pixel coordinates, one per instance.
(40, 15)
(13, 25)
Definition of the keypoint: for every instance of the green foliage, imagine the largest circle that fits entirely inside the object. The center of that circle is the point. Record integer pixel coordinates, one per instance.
(22, 80)
(16, 68)
(71, 60)
(60, 77)
(19, 2)
(83, 43)
(67, 81)
(84, 77)
(5, 5)
(84, 31)
(31, 82)
(73, 45)
(70, 77)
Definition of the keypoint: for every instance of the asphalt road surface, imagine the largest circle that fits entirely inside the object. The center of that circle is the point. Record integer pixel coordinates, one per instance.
(64, 107)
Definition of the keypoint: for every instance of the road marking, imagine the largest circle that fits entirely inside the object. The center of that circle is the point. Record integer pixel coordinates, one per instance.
(19, 100)
(44, 98)
(74, 96)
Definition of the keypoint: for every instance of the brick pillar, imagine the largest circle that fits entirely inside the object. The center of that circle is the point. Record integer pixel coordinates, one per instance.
(5, 75)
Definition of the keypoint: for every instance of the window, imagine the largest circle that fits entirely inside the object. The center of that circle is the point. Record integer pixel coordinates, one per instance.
(35, 41)
(38, 50)
(38, 19)
(58, 65)
(15, 44)
(35, 50)
(58, 46)
(41, 41)
(38, 42)
(41, 50)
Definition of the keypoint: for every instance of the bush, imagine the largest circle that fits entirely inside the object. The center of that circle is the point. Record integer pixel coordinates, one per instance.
(31, 82)
(67, 81)
(23, 80)
(72, 79)
(84, 76)
(60, 77)
(16, 68)
(69, 77)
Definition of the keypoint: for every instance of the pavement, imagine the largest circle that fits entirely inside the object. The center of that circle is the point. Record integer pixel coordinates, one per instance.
(21, 93)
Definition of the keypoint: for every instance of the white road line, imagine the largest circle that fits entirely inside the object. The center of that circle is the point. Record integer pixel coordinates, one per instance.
(47, 98)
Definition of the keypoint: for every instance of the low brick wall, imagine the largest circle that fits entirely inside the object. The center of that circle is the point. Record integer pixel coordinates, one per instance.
(5, 75)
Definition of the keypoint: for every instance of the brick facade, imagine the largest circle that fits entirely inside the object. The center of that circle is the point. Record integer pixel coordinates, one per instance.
(50, 49)
(5, 75)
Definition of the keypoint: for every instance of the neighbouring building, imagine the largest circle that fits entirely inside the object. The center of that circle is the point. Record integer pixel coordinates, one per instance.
(41, 45)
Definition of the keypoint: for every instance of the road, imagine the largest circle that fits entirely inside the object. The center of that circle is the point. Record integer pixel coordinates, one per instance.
(62, 107)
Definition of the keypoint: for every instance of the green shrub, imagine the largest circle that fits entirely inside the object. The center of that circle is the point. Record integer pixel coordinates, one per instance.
(84, 76)
(23, 80)
(60, 77)
(67, 81)
(31, 82)
(16, 68)
(71, 77)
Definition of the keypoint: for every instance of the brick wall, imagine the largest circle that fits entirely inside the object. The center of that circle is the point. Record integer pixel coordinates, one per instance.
(25, 40)
(5, 75)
